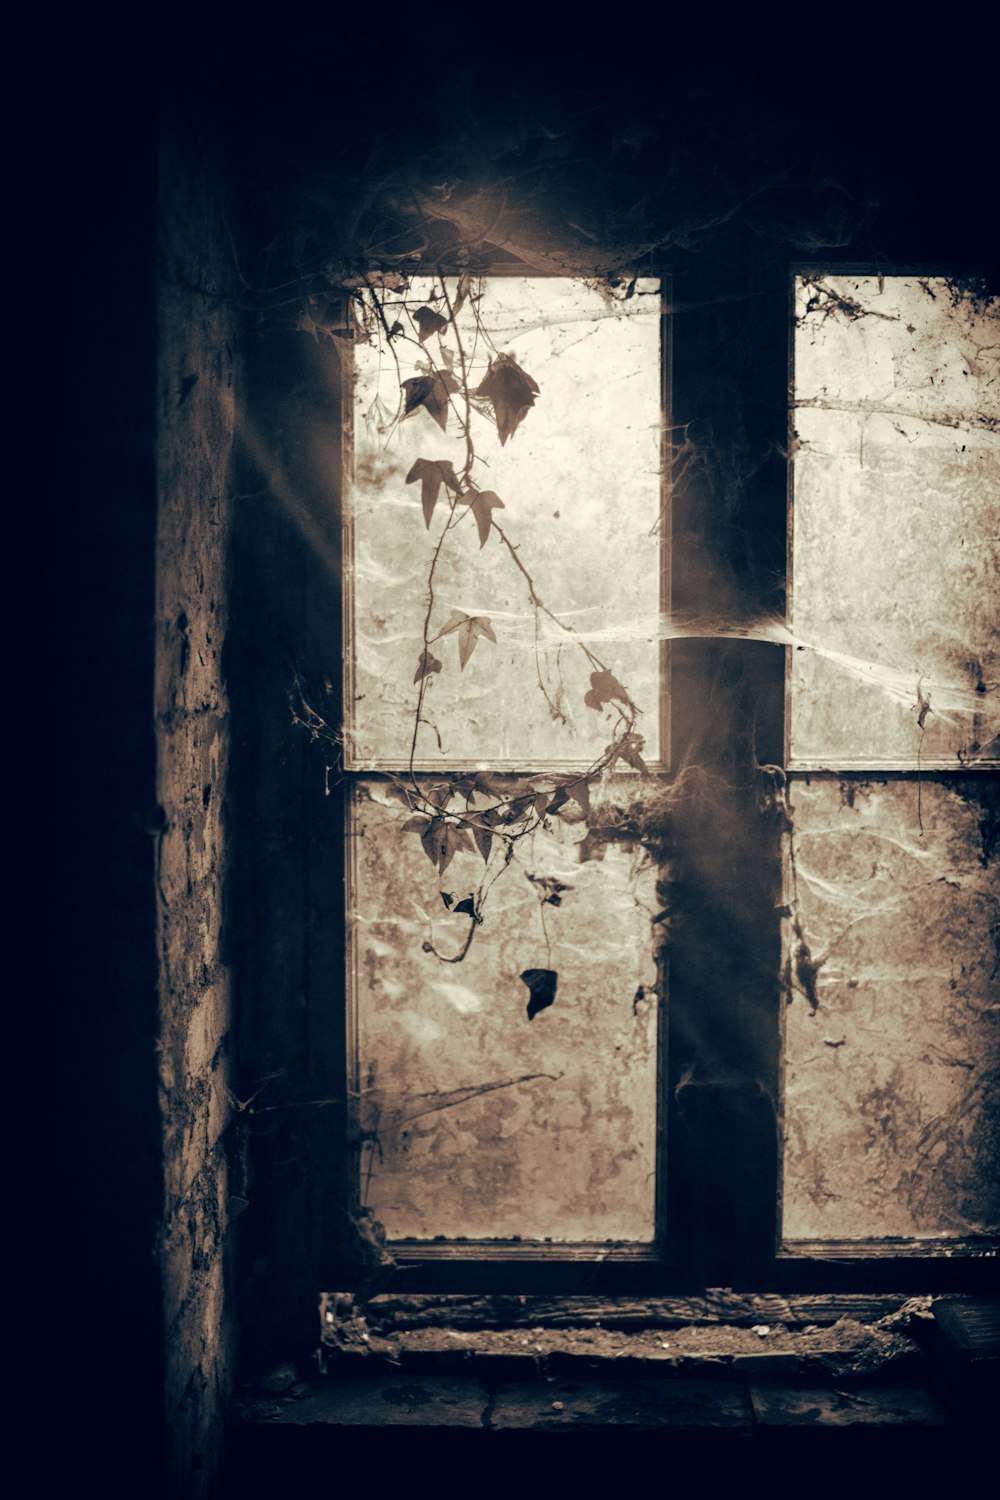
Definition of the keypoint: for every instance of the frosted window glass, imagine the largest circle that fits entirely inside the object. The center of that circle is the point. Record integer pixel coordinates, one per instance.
(580, 484)
(476, 1121)
(895, 524)
(892, 1033)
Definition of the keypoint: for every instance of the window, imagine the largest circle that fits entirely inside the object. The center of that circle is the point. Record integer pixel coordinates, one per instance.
(671, 916)
(890, 1047)
(507, 580)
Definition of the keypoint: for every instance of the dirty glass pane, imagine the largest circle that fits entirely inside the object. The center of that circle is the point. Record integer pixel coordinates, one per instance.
(895, 523)
(892, 1031)
(579, 479)
(474, 1120)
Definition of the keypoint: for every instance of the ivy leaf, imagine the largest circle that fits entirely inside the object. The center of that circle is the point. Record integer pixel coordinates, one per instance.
(441, 840)
(455, 838)
(483, 836)
(603, 688)
(395, 331)
(541, 989)
(426, 665)
(448, 898)
(469, 634)
(464, 288)
(431, 392)
(467, 908)
(520, 807)
(550, 890)
(482, 502)
(435, 843)
(397, 793)
(428, 322)
(470, 628)
(432, 473)
(579, 790)
(511, 391)
(630, 751)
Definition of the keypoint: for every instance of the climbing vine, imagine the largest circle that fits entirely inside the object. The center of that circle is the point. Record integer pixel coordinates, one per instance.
(477, 812)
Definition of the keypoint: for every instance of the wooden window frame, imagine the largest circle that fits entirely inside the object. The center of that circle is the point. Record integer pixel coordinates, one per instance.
(719, 1166)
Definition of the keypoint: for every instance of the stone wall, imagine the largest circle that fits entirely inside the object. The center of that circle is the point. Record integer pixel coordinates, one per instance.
(196, 406)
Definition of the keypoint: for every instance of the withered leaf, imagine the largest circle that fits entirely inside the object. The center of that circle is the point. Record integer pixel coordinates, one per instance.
(435, 843)
(398, 793)
(428, 322)
(396, 329)
(427, 664)
(490, 784)
(432, 473)
(520, 807)
(603, 688)
(483, 836)
(464, 288)
(579, 790)
(559, 800)
(455, 838)
(470, 628)
(483, 502)
(442, 841)
(422, 825)
(467, 908)
(541, 989)
(431, 392)
(510, 390)
(630, 751)
(448, 897)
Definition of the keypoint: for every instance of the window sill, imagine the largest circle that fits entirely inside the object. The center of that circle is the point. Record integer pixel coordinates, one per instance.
(842, 1389)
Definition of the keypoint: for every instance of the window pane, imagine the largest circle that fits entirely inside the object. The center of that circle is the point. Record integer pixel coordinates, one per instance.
(476, 1121)
(896, 524)
(892, 1040)
(580, 485)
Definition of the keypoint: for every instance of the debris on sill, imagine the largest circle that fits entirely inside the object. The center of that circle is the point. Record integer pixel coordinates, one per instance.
(837, 1350)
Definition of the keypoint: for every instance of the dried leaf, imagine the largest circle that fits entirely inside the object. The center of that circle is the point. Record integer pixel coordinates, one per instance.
(467, 908)
(435, 843)
(428, 322)
(464, 287)
(603, 688)
(541, 989)
(395, 331)
(397, 793)
(579, 790)
(630, 751)
(431, 392)
(470, 628)
(432, 473)
(483, 837)
(483, 503)
(426, 665)
(448, 897)
(510, 390)
(455, 838)
(419, 823)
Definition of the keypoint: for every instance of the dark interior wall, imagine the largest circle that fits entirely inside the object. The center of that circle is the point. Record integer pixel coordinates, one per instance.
(903, 173)
(101, 1192)
(199, 334)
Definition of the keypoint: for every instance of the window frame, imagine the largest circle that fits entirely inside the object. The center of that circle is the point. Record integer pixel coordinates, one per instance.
(721, 1187)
